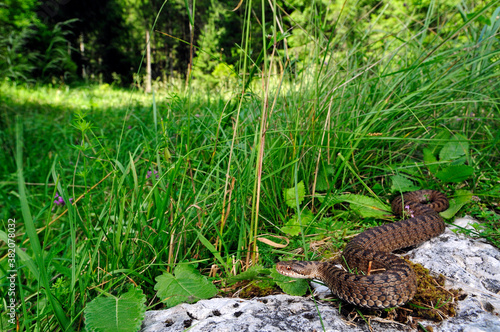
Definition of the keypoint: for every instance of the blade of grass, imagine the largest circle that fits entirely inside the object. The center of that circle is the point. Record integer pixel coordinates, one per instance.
(32, 234)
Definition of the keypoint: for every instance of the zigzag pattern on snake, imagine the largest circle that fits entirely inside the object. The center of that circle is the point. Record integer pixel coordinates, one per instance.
(397, 284)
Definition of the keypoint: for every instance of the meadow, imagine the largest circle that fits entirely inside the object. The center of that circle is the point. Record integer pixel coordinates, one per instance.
(115, 193)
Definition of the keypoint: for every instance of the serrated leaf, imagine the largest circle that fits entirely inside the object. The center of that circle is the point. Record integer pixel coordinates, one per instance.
(460, 198)
(366, 206)
(110, 314)
(185, 285)
(455, 173)
(289, 194)
(293, 226)
(454, 149)
(459, 161)
(291, 286)
(402, 184)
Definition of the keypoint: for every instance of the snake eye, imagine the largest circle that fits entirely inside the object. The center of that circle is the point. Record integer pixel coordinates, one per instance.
(288, 267)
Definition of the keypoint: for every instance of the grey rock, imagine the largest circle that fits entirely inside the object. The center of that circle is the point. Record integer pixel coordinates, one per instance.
(472, 265)
(270, 313)
(469, 264)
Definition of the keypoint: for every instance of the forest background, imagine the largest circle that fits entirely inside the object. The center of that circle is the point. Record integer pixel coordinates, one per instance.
(274, 130)
(104, 41)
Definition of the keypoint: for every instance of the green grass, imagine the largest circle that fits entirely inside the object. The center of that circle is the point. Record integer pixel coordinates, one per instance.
(347, 123)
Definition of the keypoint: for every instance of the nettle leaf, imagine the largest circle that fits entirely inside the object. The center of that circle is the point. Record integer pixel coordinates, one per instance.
(455, 173)
(460, 198)
(402, 184)
(366, 206)
(454, 149)
(289, 194)
(185, 285)
(124, 313)
(459, 161)
(292, 227)
(291, 286)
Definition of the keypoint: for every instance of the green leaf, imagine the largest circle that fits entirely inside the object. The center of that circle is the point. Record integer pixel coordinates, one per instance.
(188, 285)
(289, 194)
(455, 173)
(293, 226)
(459, 161)
(441, 136)
(291, 286)
(455, 149)
(322, 183)
(460, 198)
(430, 160)
(110, 314)
(211, 248)
(402, 184)
(365, 206)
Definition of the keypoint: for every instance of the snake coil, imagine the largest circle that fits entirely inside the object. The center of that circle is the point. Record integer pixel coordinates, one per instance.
(397, 284)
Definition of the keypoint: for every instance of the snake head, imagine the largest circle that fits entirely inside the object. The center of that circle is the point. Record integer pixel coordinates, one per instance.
(298, 269)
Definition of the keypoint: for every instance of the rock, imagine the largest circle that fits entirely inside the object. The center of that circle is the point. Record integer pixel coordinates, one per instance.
(270, 313)
(469, 264)
(472, 265)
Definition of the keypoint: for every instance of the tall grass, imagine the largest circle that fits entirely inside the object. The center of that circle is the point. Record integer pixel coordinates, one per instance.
(155, 184)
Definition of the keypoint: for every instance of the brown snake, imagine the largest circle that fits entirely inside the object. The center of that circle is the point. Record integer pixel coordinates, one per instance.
(398, 283)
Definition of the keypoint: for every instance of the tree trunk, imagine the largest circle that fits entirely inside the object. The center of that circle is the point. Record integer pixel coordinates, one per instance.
(148, 63)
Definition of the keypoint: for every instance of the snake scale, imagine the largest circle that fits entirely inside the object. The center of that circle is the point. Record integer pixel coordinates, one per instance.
(397, 283)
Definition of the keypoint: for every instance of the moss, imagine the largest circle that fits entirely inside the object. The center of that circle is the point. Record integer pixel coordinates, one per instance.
(251, 288)
(432, 301)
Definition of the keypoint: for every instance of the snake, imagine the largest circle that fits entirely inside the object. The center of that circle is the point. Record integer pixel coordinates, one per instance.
(396, 282)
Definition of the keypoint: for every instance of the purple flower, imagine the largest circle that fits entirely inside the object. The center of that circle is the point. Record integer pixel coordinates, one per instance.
(409, 211)
(60, 201)
(151, 173)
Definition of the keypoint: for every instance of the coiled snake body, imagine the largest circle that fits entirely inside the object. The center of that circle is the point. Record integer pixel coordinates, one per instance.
(397, 284)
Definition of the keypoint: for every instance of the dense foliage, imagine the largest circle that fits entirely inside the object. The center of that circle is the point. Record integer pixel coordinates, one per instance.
(103, 40)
